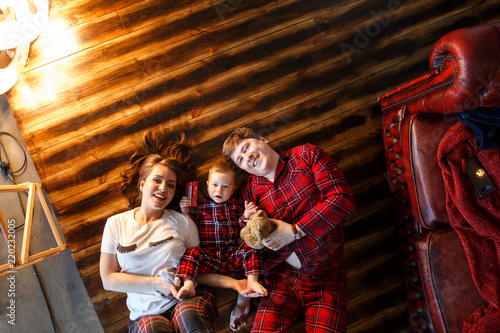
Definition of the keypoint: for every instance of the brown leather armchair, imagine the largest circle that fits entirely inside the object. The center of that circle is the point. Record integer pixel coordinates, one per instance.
(465, 75)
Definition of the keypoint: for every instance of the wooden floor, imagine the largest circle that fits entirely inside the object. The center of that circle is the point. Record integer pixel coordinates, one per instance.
(296, 71)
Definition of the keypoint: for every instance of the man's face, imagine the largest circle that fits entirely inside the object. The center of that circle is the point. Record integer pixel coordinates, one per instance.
(256, 157)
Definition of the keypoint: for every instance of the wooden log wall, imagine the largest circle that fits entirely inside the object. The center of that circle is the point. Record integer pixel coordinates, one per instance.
(296, 71)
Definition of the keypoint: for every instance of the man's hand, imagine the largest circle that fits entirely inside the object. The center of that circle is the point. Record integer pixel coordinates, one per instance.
(280, 237)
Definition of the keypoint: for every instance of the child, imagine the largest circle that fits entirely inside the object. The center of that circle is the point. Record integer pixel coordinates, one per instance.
(220, 218)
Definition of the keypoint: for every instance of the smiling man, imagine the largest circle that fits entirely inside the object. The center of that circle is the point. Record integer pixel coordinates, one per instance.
(307, 197)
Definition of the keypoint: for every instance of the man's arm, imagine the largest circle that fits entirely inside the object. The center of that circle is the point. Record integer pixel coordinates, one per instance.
(337, 201)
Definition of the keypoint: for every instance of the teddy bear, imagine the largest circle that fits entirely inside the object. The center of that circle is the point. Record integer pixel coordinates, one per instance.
(257, 228)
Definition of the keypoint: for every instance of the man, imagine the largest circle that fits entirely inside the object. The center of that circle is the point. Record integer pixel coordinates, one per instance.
(307, 197)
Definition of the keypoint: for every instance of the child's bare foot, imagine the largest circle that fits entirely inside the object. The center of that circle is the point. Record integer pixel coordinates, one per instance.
(239, 314)
(257, 287)
(187, 290)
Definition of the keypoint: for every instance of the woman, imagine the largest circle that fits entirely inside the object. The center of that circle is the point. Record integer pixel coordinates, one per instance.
(141, 247)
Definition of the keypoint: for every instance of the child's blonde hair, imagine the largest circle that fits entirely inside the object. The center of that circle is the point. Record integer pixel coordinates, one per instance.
(222, 166)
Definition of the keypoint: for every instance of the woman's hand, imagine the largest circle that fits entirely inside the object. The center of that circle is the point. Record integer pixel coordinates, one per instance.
(166, 288)
(280, 237)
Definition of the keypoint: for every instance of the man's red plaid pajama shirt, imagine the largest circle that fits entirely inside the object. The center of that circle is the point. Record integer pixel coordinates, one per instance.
(311, 191)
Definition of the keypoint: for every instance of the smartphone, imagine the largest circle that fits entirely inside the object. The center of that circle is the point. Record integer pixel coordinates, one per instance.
(478, 177)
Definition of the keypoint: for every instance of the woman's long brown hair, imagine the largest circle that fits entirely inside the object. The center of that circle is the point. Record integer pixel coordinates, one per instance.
(174, 154)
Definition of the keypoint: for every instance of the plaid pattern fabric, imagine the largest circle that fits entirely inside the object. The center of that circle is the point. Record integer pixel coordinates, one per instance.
(322, 300)
(219, 224)
(311, 191)
(197, 314)
(219, 250)
(151, 324)
(198, 261)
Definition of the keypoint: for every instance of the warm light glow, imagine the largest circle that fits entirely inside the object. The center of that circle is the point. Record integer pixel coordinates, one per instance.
(62, 41)
(54, 25)
(27, 93)
(480, 172)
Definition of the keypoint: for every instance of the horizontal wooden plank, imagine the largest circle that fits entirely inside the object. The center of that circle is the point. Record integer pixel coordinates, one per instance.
(379, 304)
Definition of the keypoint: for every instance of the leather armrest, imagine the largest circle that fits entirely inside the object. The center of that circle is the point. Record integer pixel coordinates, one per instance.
(465, 74)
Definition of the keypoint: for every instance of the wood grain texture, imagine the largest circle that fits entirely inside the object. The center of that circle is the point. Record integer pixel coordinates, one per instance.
(105, 72)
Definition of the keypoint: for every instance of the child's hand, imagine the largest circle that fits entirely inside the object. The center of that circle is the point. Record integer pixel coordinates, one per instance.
(184, 203)
(250, 208)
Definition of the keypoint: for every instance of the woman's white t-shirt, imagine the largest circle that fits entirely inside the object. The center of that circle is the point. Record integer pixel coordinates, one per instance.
(147, 250)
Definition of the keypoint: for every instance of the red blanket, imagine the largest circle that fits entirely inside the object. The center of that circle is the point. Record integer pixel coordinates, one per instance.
(476, 220)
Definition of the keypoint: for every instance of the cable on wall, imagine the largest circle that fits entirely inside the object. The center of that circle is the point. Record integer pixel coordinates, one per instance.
(5, 166)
